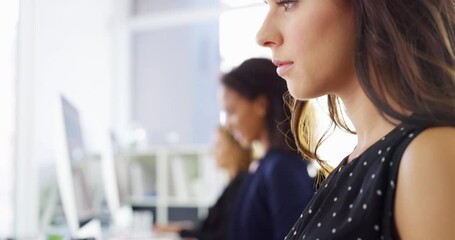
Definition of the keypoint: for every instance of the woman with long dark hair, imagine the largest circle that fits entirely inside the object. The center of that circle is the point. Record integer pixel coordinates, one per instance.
(392, 64)
(278, 187)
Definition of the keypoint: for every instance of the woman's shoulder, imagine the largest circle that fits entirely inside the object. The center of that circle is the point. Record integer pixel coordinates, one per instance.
(430, 154)
(424, 191)
(433, 145)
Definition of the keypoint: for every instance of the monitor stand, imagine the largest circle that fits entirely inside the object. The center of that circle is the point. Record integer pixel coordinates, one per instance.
(131, 225)
(123, 218)
(91, 230)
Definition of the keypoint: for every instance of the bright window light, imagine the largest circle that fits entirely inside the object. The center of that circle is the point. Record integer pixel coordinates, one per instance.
(240, 3)
(238, 30)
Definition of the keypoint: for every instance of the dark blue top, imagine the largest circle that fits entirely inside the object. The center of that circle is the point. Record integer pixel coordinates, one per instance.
(356, 201)
(272, 198)
(214, 226)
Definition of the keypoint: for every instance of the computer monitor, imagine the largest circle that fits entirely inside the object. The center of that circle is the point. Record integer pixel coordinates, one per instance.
(77, 175)
(116, 182)
(117, 176)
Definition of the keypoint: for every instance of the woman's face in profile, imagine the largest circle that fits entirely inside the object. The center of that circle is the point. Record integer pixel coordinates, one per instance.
(244, 118)
(312, 44)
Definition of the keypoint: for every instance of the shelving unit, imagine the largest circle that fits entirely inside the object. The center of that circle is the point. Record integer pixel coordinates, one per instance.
(166, 179)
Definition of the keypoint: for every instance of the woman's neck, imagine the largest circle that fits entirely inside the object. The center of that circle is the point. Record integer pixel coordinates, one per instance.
(368, 122)
(232, 173)
(261, 146)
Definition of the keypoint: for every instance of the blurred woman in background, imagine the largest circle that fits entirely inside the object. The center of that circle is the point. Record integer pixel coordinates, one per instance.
(278, 187)
(235, 160)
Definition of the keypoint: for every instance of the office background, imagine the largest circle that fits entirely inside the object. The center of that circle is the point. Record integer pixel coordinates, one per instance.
(146, 69)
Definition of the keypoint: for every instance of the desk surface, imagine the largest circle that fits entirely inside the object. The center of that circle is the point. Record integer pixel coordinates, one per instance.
(150, 236)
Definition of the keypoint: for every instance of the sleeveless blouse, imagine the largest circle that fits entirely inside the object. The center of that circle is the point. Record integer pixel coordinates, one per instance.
(356, 200)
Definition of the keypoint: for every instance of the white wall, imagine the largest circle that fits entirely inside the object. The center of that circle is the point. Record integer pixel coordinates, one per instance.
(73, 44)
(65, 46)
(9, 11)
(175, 81)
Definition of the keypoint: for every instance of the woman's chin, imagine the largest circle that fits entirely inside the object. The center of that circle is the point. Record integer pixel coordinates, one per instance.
(302, 95)
(298, 95)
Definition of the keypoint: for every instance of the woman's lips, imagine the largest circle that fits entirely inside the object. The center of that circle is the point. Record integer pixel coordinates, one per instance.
(282, 67)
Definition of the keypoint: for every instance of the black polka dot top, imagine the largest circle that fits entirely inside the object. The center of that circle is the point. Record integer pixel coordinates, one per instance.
(356, 200)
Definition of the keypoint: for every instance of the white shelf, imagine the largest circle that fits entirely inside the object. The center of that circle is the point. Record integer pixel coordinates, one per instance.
(170, 166)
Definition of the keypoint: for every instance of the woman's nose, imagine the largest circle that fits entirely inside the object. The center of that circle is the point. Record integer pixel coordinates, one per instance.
(268, 35)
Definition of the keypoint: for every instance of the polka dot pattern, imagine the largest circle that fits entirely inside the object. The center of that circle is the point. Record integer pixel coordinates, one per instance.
(356, 199)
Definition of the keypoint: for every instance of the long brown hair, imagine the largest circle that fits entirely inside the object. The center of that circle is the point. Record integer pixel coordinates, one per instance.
(404, 61)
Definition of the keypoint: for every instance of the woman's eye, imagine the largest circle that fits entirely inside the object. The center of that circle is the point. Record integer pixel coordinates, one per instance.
(287, 4)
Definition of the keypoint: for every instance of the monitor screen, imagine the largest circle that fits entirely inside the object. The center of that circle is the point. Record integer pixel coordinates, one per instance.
(116, 182)
(85, 170)
(122, 173)
(117, 174)
(73, 131)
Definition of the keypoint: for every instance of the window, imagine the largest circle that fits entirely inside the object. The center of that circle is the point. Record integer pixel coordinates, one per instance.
(239, 43)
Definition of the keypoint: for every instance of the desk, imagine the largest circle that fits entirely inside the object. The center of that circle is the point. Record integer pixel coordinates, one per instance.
(142, 237)
(139, 235)
(62, 232)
